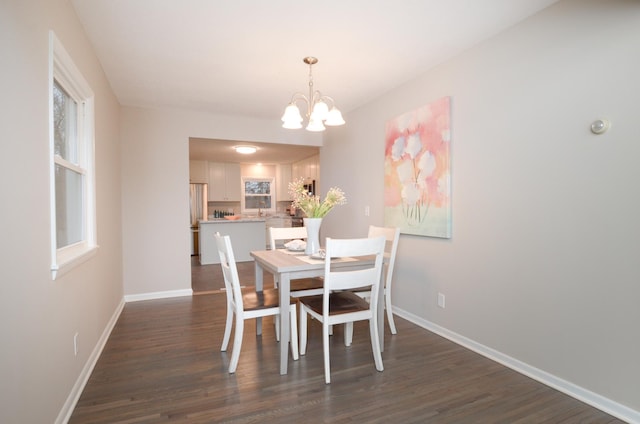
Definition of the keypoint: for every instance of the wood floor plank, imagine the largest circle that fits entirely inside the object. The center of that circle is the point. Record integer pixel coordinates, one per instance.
(163, 363)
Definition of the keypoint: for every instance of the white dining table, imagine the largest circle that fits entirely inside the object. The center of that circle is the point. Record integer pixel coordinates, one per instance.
(287, 266)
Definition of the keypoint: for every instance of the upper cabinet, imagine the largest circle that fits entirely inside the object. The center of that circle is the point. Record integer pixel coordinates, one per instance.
(198, 171)
(307, 169)
(283, 178)
(224, 182)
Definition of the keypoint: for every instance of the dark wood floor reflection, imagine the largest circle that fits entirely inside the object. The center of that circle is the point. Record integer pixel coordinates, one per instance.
(207, 279)
(162, 363)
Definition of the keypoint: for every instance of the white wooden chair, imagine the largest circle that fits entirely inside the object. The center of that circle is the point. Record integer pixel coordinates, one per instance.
(247, 305)
(391, 235)
(338, 304)
(300, 287)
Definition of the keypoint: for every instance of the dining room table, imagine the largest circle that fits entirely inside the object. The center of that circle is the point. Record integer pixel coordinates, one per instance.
(287, 265)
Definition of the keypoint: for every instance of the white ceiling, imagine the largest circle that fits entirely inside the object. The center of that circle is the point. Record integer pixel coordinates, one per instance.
(268, 153)
(244, 57)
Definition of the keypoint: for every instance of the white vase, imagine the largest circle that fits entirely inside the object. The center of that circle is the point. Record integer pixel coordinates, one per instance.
(313, 235)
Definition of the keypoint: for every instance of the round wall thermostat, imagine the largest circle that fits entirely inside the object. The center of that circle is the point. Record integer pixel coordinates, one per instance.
(600, 126)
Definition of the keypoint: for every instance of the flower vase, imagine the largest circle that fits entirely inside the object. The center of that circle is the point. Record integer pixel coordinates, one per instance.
(313, 235)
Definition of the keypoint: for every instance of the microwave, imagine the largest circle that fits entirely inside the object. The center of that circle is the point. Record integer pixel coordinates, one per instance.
(310, 187)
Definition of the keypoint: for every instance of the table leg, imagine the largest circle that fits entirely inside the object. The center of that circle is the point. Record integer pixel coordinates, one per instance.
(259, 275)
(285, 325)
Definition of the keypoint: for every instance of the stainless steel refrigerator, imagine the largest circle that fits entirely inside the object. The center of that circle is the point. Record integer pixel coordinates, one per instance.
(198, 211)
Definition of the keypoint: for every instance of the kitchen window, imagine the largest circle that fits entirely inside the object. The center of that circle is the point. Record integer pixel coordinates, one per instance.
(258, 195)
(72, 182)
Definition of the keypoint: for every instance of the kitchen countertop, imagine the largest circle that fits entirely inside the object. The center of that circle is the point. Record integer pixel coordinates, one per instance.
(232, 221)
(244, 219)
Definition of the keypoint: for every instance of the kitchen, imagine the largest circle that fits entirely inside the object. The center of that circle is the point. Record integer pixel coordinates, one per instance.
(243, 194)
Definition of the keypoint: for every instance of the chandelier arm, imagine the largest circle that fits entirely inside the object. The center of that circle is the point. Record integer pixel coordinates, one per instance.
(298, 96)
(324, 98)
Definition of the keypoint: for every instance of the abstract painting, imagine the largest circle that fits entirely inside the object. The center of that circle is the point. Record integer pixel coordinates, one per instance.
(417, 174)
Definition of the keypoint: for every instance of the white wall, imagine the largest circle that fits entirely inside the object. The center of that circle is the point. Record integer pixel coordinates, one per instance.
(543, 262)
(39, 316)
(155, 168)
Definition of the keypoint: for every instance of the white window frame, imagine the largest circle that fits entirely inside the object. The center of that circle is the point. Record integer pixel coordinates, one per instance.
(270, 210)
(67, 75)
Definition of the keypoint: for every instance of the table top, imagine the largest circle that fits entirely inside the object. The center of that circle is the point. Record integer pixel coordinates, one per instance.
(279, 261)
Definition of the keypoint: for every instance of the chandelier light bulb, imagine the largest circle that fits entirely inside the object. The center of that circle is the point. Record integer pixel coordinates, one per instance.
(320, 110)
(315, 125)
(291, 118)
(334, 118)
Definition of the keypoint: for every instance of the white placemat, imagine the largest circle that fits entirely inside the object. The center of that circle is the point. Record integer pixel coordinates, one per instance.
(310, 260)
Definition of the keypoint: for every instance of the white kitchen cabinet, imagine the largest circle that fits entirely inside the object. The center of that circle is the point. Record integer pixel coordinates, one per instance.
(283, 178)
(307, 169)
(224, 182)
(314, 167)
(198, 171)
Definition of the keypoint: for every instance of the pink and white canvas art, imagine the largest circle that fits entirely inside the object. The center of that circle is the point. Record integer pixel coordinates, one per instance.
(417, 174)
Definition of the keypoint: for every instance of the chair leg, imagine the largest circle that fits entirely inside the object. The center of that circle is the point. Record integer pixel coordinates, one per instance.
(375, 343)
(276, 320)
(237, 344)
(294, 332)
(227, 329)
(348, 333)
(325, 346)
(303, 330)
(392, 323)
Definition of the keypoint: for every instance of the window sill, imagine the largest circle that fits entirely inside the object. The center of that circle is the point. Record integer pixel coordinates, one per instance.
(70, 259)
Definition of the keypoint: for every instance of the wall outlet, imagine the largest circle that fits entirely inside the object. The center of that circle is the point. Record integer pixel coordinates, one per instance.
(441, 300)
(366, 211)
(75, 344)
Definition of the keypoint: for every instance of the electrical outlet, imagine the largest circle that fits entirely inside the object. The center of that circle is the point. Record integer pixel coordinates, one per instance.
(441, 300)
(366, 211)
(75, 344)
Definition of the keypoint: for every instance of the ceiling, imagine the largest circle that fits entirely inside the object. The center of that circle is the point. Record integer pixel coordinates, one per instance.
(244, 57)
(268, 153)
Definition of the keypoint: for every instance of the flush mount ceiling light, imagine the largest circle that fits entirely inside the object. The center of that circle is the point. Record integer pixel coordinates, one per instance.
(318, 111)
(245, 150)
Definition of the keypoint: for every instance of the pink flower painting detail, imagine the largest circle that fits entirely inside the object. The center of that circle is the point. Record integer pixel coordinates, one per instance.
(417, 177)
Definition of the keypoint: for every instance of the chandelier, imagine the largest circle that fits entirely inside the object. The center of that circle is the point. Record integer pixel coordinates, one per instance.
(317, 112)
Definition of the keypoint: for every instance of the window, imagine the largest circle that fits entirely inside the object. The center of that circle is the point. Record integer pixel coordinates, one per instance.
(73, 229)
(258, 195)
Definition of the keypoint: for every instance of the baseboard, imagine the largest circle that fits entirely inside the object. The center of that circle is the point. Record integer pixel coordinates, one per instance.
(597, 401)
(157, 295)
(76, 391)
(78, 387)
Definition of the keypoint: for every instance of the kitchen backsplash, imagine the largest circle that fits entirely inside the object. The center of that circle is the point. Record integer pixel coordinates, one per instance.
(234, 207)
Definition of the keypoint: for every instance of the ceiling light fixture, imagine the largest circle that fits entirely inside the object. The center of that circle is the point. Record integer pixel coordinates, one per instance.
(245, 150)
(318, 111)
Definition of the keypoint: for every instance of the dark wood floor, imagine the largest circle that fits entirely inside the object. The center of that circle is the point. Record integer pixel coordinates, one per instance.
(208, 278)
(163, 363)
